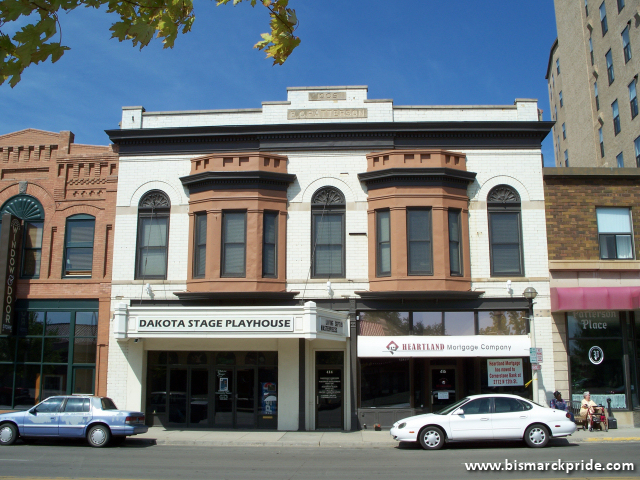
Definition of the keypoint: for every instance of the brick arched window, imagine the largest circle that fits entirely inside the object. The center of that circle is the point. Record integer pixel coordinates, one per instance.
(30, 211)
(505, 232)
(328, 208)
(153, 235)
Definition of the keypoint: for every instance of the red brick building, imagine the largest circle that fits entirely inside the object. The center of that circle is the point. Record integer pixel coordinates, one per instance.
(64, 195)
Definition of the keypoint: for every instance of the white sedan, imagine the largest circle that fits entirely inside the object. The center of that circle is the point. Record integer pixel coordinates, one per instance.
(485, 417)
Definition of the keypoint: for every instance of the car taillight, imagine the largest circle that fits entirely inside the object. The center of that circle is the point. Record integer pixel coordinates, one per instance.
(134, 420)
(568, 415)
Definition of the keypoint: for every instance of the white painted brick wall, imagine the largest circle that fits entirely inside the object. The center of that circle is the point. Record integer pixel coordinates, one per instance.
(520, 169)
(273, 113)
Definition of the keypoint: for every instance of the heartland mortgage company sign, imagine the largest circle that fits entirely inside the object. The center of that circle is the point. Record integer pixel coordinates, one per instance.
(214, 323)
(462, 346)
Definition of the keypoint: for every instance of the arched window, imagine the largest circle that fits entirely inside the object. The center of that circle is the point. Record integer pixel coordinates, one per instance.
(78, 245)
(30, 211)
(327, 233)
(505, 232)
(153, 236)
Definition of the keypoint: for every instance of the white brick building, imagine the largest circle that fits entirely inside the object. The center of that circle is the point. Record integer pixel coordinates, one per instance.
(313, 163)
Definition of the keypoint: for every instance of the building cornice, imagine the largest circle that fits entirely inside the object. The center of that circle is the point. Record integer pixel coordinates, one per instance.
(330, 136)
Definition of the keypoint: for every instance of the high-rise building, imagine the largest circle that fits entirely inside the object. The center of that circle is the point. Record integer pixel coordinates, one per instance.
(593, 76)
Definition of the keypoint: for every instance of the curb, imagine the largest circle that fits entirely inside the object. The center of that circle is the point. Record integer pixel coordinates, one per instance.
(192, 443)
(317, 444)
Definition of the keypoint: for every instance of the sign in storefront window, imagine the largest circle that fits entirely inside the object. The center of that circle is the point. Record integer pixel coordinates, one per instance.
(596, 357)
(504, 372)
(594, 324)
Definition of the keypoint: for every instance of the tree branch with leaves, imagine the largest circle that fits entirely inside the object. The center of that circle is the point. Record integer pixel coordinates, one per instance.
(139, 22)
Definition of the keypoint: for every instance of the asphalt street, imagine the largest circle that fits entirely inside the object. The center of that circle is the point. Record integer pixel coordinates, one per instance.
(142, 460)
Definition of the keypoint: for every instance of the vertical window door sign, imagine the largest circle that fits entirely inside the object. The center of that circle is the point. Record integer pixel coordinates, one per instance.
(9, 256)
(596, 355)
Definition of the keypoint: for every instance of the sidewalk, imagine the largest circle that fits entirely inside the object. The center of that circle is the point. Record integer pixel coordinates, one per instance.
(359, 439)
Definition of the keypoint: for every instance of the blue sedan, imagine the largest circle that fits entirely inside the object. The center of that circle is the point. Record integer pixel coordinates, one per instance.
(76, 416)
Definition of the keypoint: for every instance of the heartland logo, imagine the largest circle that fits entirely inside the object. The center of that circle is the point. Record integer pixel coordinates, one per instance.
(392, 347)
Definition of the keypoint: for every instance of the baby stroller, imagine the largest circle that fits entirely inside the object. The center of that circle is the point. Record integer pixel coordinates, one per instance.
(597, 418)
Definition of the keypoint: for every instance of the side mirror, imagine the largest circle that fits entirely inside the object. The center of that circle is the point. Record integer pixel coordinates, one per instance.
(33, 411)
(459, 412)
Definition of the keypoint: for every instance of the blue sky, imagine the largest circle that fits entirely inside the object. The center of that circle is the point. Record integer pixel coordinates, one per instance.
(416, 52)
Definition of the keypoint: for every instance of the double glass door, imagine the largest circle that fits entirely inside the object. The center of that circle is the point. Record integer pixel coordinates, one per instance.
(235, 399)
(189, 396)
(202, 397)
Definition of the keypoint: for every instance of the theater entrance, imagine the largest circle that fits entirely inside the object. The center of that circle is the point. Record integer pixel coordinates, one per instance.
(213, 390)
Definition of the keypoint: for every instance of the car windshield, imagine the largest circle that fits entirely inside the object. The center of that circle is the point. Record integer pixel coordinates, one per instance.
(107, 404)
(451, 408)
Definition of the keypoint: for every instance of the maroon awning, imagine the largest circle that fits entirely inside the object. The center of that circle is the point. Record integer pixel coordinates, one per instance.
(595, 298)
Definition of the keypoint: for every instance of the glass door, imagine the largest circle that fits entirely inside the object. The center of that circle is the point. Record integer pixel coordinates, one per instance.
(178, 395)
(199, 397)
(443, 387)
(329, 397)
(245, 398)
(224, 392)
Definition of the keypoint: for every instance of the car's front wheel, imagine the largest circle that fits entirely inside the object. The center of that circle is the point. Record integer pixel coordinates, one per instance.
(536, 436)
(431, 438)
(8, 434)
(98, 436)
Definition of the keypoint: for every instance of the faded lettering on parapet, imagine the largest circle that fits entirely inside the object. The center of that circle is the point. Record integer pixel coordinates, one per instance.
(314, 113)
(317, 96)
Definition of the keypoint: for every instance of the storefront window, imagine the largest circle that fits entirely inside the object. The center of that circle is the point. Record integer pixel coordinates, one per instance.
(27, 386)
(498, 322)
(6, 385)
(384, 323)
(459, 323)
(596, 357)
(385, 383)
(53, 353)
(428, 323)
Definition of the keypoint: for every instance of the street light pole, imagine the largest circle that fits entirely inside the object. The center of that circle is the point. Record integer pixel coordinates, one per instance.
(530, 293)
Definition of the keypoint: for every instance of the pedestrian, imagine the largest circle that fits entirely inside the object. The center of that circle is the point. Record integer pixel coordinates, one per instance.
(559, 404)
(586, 409)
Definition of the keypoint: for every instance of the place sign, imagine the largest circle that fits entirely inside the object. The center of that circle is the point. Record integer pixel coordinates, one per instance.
(326, 113)
(320, 96)
(215, 323)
